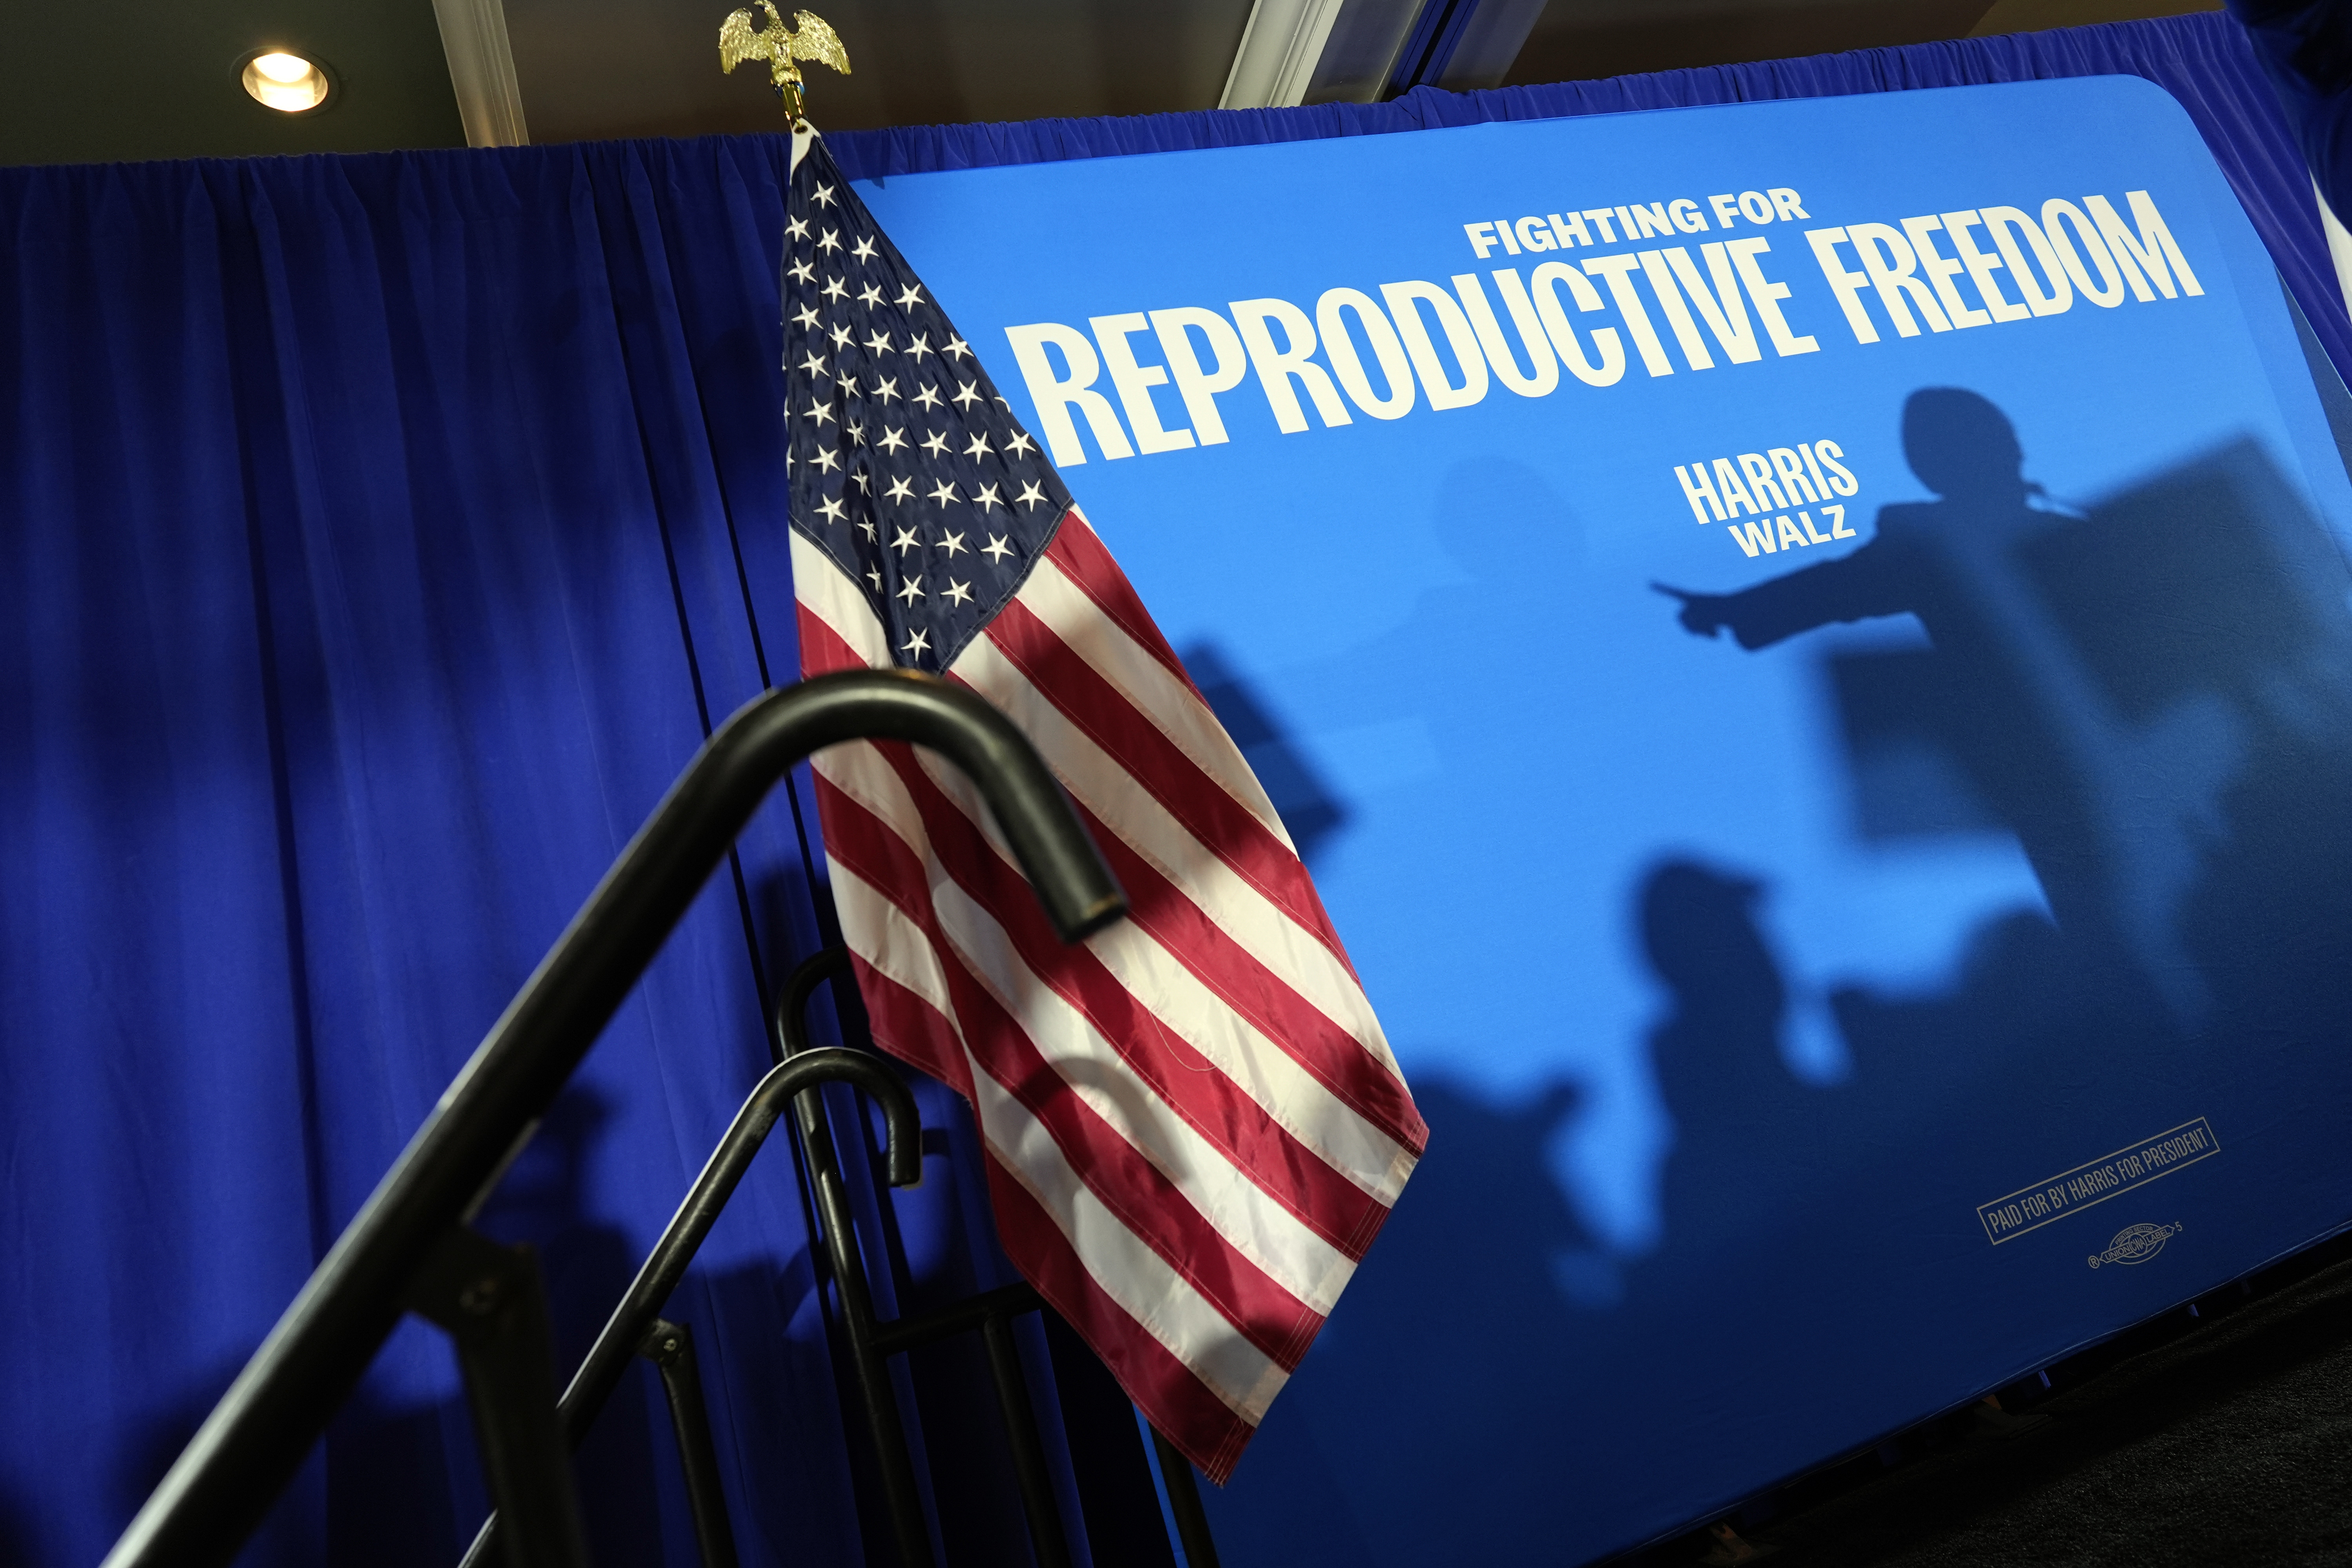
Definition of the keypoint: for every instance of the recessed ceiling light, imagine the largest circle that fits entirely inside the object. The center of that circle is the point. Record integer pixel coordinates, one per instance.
(287, 83)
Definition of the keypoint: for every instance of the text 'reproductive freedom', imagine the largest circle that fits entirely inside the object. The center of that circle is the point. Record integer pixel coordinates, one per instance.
(1420, 345)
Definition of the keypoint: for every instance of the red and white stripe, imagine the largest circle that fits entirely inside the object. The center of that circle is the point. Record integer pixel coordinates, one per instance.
(1194, 1126)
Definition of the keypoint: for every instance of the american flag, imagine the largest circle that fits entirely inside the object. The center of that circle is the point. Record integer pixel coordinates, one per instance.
(1193, 1124)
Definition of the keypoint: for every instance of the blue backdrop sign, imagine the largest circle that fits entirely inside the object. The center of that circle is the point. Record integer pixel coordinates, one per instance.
(1807, 647)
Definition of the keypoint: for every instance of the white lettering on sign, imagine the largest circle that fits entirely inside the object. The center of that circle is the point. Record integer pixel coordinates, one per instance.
(1634, 221)
(2090, 251)
(1161, 381)
(1780, 488)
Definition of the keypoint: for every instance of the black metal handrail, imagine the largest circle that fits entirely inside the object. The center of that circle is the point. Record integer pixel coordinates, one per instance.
(636, 1323)
(255, 1437)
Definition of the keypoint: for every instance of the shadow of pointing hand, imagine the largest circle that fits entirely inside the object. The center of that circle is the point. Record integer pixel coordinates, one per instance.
(1703, 615)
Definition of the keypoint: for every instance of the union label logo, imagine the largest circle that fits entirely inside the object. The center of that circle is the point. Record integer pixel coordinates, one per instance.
(2136, 1244)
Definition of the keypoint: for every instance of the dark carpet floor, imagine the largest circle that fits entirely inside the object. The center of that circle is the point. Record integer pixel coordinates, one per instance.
(2225, 1440)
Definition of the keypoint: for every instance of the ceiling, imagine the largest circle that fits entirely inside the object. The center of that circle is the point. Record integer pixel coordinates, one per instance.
(593, 68)
(141, 79)
(146, 78)
(1577, 39)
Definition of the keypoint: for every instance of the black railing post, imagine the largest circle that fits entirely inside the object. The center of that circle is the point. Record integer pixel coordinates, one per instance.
(877, 1398)
(491, 1300)
(1047, 1540)
(1184, 1503)
(670, 1347)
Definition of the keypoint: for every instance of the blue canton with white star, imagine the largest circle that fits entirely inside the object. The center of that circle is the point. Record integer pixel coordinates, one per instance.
(906, 467)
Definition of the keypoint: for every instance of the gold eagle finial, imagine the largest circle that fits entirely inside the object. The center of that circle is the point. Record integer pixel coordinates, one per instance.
(782, 48)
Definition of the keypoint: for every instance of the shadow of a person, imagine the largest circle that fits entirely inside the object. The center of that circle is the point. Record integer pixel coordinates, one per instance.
(585, 1263)
(1700, 933)
(2007, 688)
(1740, 1116)
(1301, 796)
(16, 1536)
(1464, 1264)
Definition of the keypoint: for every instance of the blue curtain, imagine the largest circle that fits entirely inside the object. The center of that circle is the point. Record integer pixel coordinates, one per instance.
(2306, 46)
(381, 535)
